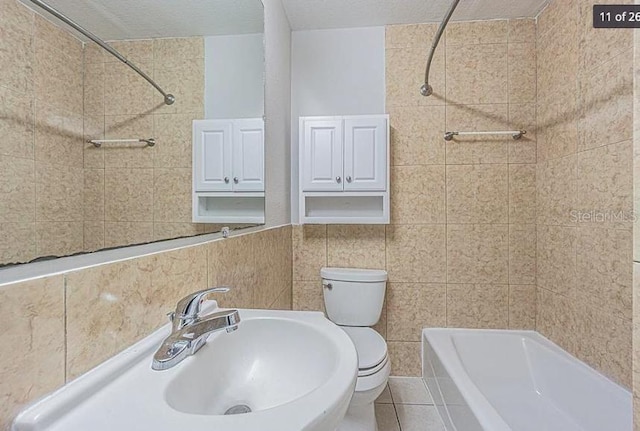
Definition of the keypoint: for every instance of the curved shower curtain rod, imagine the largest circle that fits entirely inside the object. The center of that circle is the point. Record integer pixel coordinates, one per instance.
(427, 89)
(169, 99)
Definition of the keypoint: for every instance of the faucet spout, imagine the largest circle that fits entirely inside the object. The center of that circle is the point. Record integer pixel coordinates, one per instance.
(189, 339)
(188, 308)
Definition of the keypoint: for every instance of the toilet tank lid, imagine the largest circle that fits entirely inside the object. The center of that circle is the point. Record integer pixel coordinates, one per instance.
(354, 274)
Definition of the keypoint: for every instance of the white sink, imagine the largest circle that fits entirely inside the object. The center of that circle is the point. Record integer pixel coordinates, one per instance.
(293, 370)
(266, 363)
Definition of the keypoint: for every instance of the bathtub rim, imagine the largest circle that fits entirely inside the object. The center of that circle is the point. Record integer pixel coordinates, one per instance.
(443, 346)
(441, 341)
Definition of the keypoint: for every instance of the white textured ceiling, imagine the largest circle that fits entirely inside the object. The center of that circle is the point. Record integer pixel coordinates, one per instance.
(319, 14)
(143, 19)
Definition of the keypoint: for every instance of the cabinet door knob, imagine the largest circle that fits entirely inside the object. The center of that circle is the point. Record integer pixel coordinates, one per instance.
(348, 179)
(338, 179)
(236, 180)
(226, 180)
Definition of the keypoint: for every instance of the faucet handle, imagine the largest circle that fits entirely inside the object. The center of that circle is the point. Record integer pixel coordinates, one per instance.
(188, 307)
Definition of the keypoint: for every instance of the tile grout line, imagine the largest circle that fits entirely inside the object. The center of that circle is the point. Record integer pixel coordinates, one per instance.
(446, 212)
(428, 405)
(84, 163)
(508, 183)
(395, 410)
(65, 324)
(535, 170)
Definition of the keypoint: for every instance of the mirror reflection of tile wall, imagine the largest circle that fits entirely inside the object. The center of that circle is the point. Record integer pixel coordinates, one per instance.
(135, 194)
(60, 195)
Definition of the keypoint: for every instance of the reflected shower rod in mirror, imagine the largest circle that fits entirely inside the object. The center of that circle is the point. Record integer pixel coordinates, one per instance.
(169, 99)
(427, 89)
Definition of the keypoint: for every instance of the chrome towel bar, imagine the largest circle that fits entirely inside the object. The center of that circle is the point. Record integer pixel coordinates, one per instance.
(98, 142)
(515, 134)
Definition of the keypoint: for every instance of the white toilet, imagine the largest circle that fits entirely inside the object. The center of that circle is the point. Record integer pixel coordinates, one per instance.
(353, 299)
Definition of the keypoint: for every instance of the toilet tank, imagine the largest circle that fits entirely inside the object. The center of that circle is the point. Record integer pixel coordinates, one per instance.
(353, 297)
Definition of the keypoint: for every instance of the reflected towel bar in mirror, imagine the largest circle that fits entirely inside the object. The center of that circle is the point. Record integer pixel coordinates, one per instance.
(98, 142)
(515, 134)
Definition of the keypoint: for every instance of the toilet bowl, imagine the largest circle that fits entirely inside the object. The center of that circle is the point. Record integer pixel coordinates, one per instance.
(353, 300)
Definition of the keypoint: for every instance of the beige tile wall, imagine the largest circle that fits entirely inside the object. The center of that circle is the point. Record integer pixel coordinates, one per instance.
(76, 320)
(636, 346)
(585, 114)
(483, 230)
(460, 250)
(59, 195)
(636, 234)
(136, 194)
(41, 171)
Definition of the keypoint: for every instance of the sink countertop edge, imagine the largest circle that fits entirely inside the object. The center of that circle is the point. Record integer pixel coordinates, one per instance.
(43, 413)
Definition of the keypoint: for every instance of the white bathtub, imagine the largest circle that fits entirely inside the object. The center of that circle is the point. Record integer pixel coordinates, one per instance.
(483, 380)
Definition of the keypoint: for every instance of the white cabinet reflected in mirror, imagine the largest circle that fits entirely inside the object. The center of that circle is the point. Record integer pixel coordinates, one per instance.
(228, 171)
(65, 195)
(228, 146)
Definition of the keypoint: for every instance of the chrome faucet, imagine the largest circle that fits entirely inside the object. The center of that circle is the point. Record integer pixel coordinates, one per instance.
(190, 330)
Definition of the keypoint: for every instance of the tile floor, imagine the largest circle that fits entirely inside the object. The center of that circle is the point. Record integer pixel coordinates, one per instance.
(406, 405)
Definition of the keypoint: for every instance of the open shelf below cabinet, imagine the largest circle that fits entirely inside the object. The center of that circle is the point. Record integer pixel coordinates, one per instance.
(345, 208)
(228, 208)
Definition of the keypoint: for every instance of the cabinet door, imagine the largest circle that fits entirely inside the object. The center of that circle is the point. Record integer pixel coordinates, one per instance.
(248, 155)
(212, 155)
(322, 155)
(365, 154)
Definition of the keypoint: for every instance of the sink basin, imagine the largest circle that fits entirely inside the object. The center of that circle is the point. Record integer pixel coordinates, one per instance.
(266, 363)
(280, 371)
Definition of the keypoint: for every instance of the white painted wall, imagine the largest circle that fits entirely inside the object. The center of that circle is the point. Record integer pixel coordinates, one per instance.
(234, 76)
(278, 111)
(334, 72)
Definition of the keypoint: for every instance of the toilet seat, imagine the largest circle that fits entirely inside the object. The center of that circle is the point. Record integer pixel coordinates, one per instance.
(371, 348)
(375, 381)
(369, 371)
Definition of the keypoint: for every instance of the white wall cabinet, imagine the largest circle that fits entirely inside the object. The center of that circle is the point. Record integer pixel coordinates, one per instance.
(248, 155)
(344, 174)
(228, 171)
(323, 154)
(212, 155)
(365, 154)
(228, 155)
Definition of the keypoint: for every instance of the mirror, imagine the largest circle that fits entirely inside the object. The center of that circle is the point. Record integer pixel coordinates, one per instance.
(59, 193)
